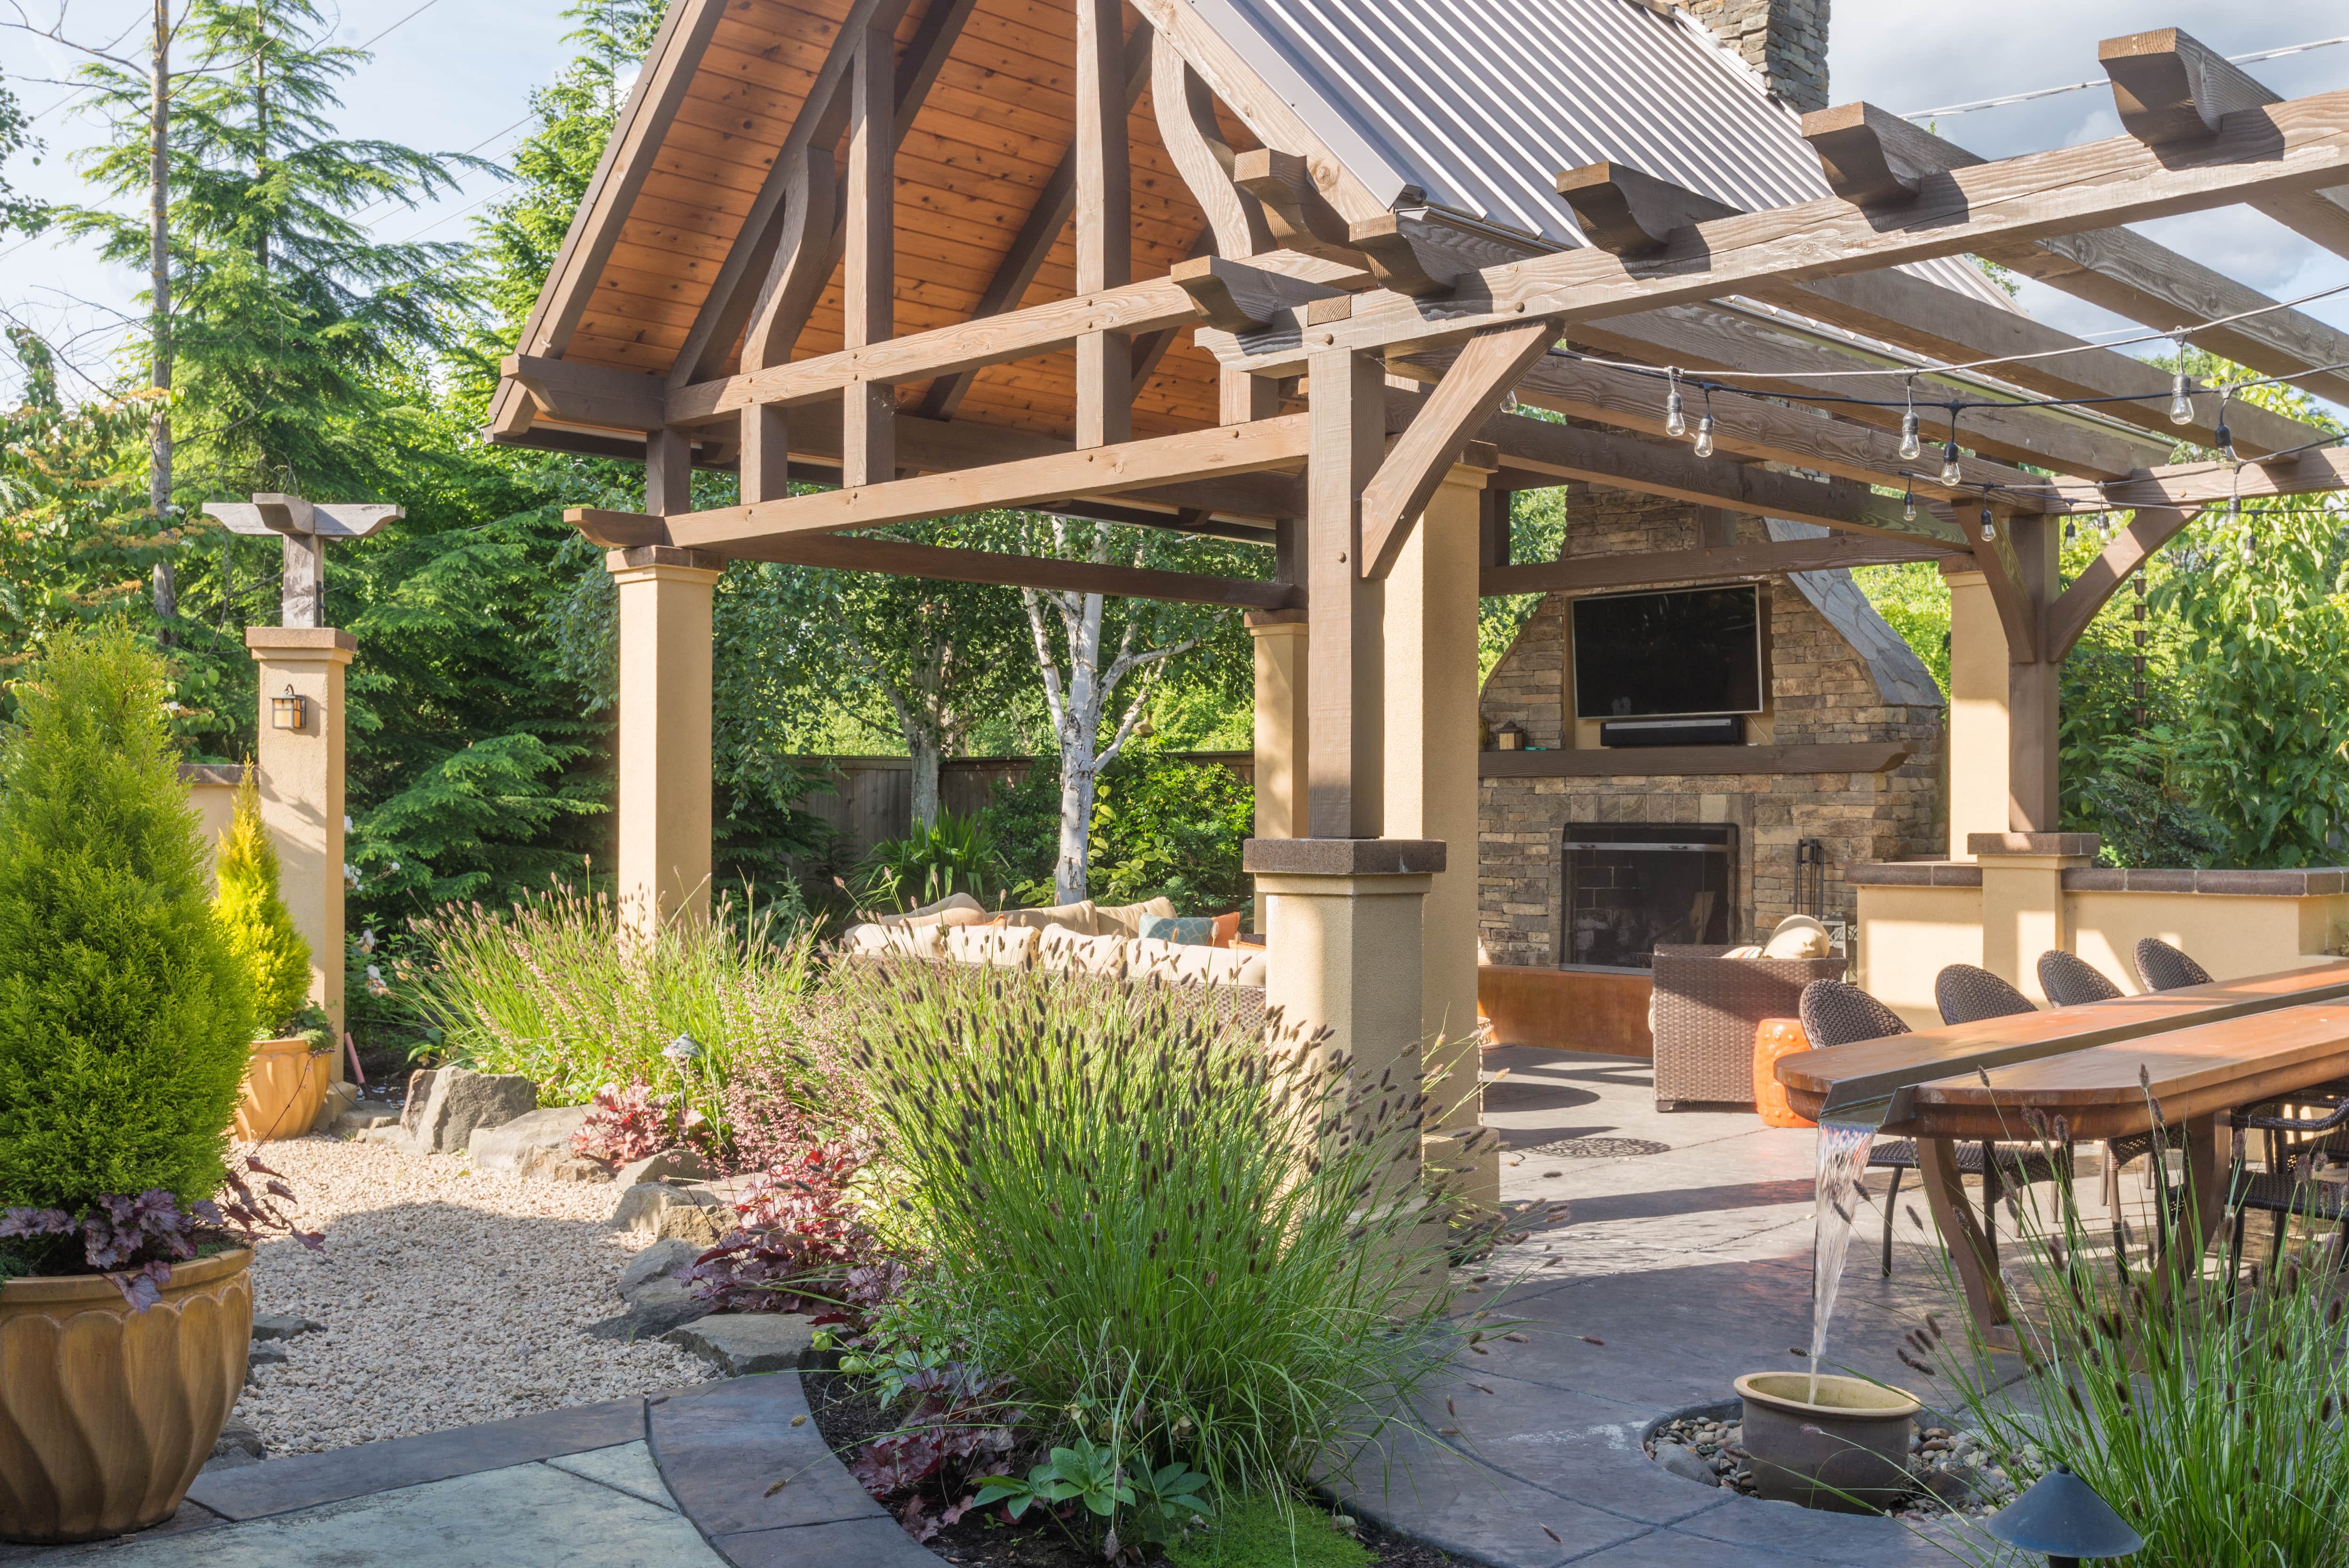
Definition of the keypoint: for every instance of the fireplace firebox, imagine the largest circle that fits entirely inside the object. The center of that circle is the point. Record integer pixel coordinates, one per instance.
(1629, 886)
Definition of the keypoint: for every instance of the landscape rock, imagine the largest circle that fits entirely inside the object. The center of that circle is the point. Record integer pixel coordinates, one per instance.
(264, 1354)
(458, 1102)
(658, 1261)
(419, 1089)
(741, 1343)
(644, 1207)
(702, 1226)
(579, 1168)
(530, 1144)
(390, 1132)
(669, 1164)
(365, 1119)
(238, 1445)
(340, 1099)
(283, 1326)
(658, 1307)
(1687, 1464)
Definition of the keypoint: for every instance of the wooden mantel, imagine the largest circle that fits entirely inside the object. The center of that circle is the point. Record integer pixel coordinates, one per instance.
(1657, 761)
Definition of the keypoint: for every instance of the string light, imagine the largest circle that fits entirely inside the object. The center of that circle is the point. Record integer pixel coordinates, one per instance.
(1675, 419)
(1989, 528)
(1910, 448)
(2182, 389)
(1950, 473)
(1909, 504)
(2225, 436)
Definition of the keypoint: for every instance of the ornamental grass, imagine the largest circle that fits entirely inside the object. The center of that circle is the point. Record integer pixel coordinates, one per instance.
(1193, 1241)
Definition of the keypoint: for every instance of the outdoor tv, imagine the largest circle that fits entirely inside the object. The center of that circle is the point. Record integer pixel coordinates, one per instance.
(1689, 651)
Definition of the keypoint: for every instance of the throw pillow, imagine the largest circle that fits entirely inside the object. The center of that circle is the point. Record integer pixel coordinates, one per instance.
(1188, 931)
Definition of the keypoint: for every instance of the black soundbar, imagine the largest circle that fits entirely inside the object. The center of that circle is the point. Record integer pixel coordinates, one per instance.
(1726, 729)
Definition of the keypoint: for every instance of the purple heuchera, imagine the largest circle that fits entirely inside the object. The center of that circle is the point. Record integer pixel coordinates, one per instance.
(134, 1241)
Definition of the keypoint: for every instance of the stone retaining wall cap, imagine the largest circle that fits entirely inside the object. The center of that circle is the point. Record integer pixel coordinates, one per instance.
(1343, 857)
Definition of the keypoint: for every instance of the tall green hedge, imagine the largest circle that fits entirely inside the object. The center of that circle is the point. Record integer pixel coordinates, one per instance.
(124, 1017)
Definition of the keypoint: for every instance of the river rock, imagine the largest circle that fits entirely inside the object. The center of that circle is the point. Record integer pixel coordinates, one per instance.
(460, 1102)
(661, 1261)
(688, 1211)
(283, 1326)
(530, 1144)
(1687, 1464)
(741, 1343)
(237, 1445)
(341, 1099)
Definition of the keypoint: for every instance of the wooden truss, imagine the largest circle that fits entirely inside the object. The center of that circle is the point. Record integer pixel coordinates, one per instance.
(1267, 351)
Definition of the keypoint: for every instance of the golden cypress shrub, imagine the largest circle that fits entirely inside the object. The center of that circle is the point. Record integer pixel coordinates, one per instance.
(253, 919)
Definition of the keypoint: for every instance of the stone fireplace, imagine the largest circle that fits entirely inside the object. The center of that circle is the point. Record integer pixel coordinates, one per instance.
(1841, 766)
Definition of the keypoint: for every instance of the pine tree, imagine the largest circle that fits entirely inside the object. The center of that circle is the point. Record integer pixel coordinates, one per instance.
(253, 919)
(124, 1017)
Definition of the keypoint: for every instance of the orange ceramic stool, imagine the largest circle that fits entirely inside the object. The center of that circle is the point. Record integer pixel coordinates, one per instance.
(1773, 1038)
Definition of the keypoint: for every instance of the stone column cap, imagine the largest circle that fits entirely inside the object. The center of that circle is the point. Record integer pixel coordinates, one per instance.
(2083, 844)
(1269, 620)
(660, 557)
(298, 639)
(1342, 856)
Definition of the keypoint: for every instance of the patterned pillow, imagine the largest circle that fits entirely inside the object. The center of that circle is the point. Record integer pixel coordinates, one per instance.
(1189, 931)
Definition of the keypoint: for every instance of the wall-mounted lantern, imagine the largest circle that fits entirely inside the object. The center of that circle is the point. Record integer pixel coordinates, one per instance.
(289, 712)
(1509, 737)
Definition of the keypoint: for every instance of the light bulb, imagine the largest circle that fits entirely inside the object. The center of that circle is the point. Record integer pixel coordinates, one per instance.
(1989, 530)
(2181, 400)
(1908, 506)
(1704, 435)
(1908, 446)
(1950, 473)
(1675, 422)
(2225, 438)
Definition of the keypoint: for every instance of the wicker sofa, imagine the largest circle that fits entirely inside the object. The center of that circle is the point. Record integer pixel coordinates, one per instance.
(1705, 1011)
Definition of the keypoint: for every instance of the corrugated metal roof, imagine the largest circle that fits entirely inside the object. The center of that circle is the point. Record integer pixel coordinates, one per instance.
(1480, 103)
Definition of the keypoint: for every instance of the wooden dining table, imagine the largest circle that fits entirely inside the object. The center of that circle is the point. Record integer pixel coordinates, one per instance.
(2176, 1060)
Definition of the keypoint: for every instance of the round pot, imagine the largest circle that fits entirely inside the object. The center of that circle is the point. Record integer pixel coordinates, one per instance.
(1847, 1453)
(107, 1414)
(284, 1088)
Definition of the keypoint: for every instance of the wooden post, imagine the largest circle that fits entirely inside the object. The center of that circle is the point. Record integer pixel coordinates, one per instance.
(1104, 221)
(868, 452)
(766, 453)
(668, 473)
(302, 596)
(2035, 770)
(1344, 691)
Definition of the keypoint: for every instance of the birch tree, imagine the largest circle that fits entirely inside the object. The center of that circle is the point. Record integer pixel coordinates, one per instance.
(1101, 659)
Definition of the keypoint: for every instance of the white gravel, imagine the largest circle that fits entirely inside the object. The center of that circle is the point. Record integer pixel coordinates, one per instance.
(449, 1297)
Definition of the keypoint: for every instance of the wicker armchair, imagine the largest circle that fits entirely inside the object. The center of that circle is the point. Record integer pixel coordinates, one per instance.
(1706, 1009)
(1966, 994)
(1836, 1014)
(2071, 981)
(2164, 968)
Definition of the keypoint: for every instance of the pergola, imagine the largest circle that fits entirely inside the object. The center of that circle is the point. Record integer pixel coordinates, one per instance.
(1289, 275)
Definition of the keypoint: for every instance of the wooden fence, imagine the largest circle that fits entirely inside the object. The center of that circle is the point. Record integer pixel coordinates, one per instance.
(872, 798)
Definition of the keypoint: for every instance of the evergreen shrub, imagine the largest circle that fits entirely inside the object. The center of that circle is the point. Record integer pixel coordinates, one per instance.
(124, 1016)
(253, 919)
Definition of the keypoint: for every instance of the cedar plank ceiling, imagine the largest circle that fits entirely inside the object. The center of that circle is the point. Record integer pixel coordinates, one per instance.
(994, 126)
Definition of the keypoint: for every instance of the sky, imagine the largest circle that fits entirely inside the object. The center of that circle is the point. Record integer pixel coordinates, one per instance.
(455, 75)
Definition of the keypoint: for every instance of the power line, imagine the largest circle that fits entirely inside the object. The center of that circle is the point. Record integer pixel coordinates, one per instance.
(2077, 86)
(396, 26)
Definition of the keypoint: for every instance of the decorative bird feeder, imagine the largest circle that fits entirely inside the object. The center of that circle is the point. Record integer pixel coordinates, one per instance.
(1509, 735)
(289, 712)
(2062, 1518)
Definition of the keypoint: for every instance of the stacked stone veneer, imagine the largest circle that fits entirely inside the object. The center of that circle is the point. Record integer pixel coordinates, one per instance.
(1837, 675)
(1785, 41)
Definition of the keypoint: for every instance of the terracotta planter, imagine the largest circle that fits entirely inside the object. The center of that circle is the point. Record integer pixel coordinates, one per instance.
(107, 1414)
(284, 1088)
(1847, 1453)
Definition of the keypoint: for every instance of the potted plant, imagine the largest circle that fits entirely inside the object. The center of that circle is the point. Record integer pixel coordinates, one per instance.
(126, 1307)
(292, 1068)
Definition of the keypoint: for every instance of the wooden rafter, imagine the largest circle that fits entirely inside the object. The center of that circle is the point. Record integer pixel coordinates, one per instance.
(2201, 484)
(1469, 394)
(1104, 222)
(1650, 568)
(868, 409)
(2299, 145)
(1186, 125)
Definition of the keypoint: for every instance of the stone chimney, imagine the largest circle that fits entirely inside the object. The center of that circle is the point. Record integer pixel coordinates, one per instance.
(1785, 40)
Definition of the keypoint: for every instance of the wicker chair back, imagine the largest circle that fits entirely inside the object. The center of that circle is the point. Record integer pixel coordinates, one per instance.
(2164, 968)
(1706, 1008)
(1966, 995)
(2071, 981)
(1837, 1013)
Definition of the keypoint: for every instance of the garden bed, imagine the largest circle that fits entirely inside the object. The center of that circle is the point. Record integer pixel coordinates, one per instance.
(848, 1418)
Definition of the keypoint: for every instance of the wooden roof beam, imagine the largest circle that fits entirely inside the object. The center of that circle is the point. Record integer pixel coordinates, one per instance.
(2174, 91)
(1881, 162)
(2204, 484)
(1644, 569)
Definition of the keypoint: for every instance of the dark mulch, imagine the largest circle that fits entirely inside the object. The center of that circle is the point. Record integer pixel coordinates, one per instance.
(848, 1419)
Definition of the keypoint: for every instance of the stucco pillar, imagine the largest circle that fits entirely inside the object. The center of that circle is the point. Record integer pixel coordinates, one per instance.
(2023, 909)
(1978, 693)
(665, 723)
(1428, 643)
(1281, 728)
(301, 786)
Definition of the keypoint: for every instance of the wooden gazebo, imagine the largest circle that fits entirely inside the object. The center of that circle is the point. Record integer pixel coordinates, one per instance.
(1289, 275)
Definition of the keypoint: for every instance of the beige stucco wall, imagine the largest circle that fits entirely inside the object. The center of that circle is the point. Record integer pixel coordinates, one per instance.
(1907, 936)
(215, 805)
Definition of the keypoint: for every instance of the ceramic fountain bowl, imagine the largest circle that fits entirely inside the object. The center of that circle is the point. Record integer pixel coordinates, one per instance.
(1844, 1448)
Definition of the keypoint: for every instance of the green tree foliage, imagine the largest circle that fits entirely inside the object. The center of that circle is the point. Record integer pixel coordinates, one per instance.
(253, 919)
(76, 537)
(124, 1017)
(1162, 825)
(1914, 600)
(1536, 533)
(16, 211)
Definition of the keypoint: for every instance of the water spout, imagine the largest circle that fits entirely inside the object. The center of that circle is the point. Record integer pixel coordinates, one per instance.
(1844, 1138)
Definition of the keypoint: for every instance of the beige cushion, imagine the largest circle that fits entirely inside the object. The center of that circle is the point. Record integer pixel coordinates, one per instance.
(1058, 948)
(955, 909)
(1126, 918)
(1216, 966)
(1149, 957)
(1099, 955)
(1797, 941)
(1252, 972)
(999, 944)
(905, 942)
(1082, 917)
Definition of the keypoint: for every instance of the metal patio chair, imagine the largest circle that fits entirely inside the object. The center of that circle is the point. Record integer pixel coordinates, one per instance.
(1966, 994)
(2286, 1187)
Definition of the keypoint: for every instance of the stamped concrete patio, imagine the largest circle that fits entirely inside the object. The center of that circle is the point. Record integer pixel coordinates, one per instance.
(1684, 1262)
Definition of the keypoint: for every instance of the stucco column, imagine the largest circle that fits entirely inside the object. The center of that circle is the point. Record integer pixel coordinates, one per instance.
(2022, 910)
(1428, 643)
(1978, 746)
(664, 722)
(1280, 728)
(301, 786)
